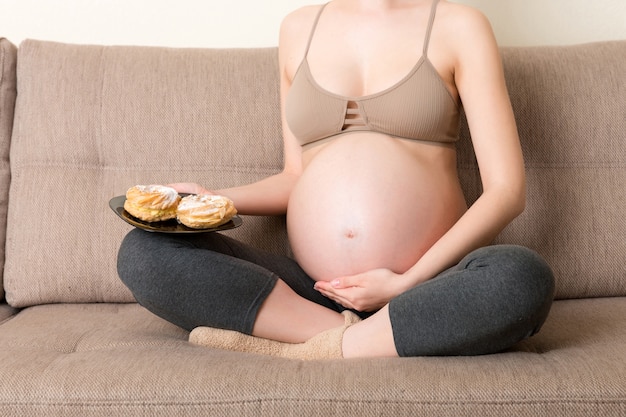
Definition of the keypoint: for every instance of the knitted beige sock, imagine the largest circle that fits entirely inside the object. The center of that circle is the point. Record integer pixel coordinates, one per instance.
(326, 345)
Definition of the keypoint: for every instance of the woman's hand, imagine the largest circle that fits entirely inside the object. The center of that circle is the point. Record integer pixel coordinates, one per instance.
(368, 291)
(189, 188)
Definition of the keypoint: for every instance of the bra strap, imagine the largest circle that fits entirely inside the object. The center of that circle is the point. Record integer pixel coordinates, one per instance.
(317, 19)
(429, 29)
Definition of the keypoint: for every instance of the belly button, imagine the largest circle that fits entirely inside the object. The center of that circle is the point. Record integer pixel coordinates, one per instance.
(350, 234)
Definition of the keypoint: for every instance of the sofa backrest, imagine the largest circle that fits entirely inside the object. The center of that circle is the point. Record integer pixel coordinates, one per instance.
(92, 121)
(570, 106)
(8, 57)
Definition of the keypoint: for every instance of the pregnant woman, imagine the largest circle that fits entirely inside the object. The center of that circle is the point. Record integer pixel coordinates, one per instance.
(389, 260)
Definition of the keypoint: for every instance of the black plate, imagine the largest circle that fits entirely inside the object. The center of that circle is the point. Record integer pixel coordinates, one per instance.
(168, 226)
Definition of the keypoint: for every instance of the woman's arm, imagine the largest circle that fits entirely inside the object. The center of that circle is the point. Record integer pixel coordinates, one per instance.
(479, 78)
(270, 195)
(266, 197)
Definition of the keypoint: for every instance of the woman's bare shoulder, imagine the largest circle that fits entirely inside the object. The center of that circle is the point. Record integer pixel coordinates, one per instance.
(294, 34)
(300, 19)
(463, 31)
(462, 21)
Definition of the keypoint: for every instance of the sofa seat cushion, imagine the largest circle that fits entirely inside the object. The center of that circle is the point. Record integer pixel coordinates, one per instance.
(119, 359)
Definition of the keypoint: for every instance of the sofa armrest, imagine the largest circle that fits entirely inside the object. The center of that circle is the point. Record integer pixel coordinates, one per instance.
(8, 92)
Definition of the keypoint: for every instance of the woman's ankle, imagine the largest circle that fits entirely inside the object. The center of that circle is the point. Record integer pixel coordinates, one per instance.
(373, 337)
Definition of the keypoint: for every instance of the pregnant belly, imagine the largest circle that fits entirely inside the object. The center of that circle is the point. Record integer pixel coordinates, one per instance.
(367, 202)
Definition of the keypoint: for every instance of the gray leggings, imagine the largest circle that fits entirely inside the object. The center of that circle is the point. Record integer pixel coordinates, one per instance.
(495, 297)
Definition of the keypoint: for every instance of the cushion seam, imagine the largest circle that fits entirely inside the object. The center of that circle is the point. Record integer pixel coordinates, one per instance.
(261, 402)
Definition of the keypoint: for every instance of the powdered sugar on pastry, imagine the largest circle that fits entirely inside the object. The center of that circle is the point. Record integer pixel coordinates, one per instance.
(159, 196)
(152, 203)
(204, 211)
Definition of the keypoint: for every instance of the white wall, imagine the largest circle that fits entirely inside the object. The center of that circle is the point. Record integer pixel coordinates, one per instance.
(252, 23)
(555, 22)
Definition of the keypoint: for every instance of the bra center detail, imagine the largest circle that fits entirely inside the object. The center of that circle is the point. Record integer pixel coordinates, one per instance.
(353, 117)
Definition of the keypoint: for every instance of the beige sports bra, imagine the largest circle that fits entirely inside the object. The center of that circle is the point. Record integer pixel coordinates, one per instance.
(418, 107)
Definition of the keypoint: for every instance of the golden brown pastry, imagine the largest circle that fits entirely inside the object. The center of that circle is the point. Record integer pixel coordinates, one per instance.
(152, 203)
(205, 211)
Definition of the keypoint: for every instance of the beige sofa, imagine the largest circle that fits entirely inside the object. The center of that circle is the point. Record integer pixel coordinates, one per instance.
(87, 122)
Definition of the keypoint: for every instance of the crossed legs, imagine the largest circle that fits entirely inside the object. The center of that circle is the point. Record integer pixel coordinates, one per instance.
(495, 297)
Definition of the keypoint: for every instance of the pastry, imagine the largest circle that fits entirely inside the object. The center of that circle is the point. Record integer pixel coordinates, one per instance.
(205, 211)
(152, 203)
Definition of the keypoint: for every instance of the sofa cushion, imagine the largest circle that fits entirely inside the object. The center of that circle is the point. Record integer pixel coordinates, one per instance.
(92, 121)
(8, 55)
(571, 114)
(89, 360)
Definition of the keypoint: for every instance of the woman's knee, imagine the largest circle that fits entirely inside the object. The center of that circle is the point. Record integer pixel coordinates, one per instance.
(494, 298)
(530, 272)
(525, 277)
